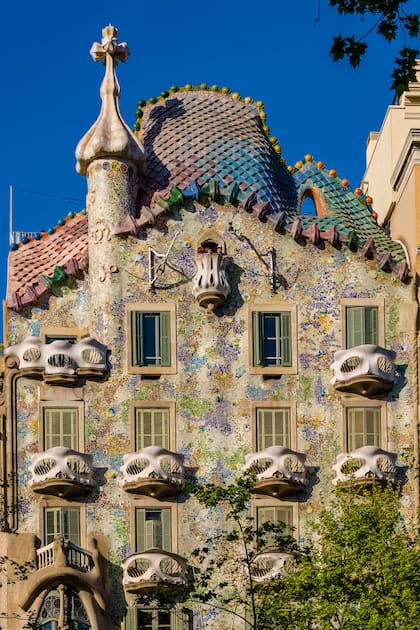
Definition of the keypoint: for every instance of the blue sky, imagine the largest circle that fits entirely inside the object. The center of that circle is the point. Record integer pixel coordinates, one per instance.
(272, 50)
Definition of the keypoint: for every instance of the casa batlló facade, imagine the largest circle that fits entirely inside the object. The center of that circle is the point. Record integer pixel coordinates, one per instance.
(194, 321)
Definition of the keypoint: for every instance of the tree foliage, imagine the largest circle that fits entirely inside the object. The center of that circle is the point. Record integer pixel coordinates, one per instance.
(362, 571)
(358, 569)
(389, 20)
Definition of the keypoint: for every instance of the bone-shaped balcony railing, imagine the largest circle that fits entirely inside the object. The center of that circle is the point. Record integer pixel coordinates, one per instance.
(269, 565)
(366, 369)
(278, 462)
(365, 463)
(152, 464)
(65, 553)
(60, 464)
(152, 568)
(210, 283)
(60, 357)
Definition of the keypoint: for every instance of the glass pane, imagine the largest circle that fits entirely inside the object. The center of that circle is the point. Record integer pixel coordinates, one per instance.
(151, 338)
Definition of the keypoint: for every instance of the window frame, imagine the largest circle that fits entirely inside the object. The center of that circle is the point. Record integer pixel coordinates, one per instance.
(379, 303)
(62, 333)
(144, 307)
(179, 620)
(49, 505)
(362, 403)
(274, 404)
(154, 504)
(63, 404)
(273, 308)
(153, 404)
(270, 502)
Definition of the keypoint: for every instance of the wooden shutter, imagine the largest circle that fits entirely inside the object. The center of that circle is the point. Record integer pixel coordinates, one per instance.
(273, 427)
(137, 354)
(130, 621)
(65, 521)
(371, 325)
(363, 427)
(355, 326)
(285, 339)
(71, 524)
(153, 529)
(165, 338)
(61, 427)
(152, 427)
(51, 524)
(257, 358)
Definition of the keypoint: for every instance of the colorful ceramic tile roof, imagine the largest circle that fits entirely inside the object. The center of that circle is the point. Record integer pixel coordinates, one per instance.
(215, 144)
(203, 136)
(35, 266)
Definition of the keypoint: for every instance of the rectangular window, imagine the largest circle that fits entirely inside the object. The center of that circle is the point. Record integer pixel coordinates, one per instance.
(273, 427)
(363, 427)
(152, 427)
(361, 325)
(152, 343)
(63, 520)
(153, 529)
(275, 514)
(70, 334)
(155, 619)
(273, 339)
(61, 427)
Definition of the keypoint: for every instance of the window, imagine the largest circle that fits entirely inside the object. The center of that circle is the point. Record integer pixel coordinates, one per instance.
(363, 427)
(361, 325)
(151, 339)
(68, 607)
(70, 334)
(362, 321)
(155, 619)
(152, 427)
(153, 529)
(275, 514)
(273, 427)
(61, 427)
(62, 520)
(273, 344)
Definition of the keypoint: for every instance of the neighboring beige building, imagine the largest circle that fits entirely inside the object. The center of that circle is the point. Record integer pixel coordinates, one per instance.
(191, 321)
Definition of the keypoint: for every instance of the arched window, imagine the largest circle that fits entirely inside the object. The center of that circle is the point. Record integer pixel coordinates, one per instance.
(65, 602)
(308, 208)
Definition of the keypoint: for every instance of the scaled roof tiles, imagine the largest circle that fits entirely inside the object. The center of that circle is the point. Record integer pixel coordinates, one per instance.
(202, 140)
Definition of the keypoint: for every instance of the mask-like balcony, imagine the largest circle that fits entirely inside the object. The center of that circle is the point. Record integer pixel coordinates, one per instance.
(60, 361)
(271, 564)
(61, 472)
(153, 568)
(153, 471)
(365, 465)
(367, 370)
(280, 472)
(210, 284)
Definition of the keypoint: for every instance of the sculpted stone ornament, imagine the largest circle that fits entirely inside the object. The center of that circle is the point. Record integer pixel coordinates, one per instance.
(110, 136)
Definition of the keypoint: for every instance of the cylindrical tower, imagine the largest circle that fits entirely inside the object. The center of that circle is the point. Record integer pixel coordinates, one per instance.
(110, 156)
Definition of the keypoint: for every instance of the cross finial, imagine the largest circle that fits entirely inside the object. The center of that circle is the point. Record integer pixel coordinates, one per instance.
(110, 46)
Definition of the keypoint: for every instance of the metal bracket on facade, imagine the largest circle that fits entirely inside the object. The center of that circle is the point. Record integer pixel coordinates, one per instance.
(268, 260)
(158, 262)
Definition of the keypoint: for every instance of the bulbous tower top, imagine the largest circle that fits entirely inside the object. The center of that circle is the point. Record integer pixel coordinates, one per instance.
(109, 136)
